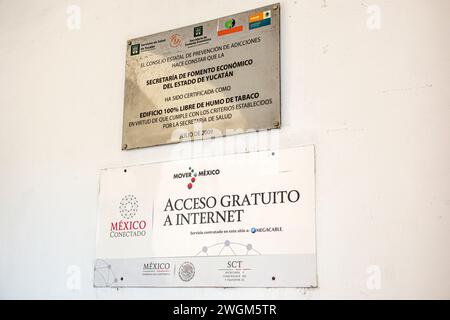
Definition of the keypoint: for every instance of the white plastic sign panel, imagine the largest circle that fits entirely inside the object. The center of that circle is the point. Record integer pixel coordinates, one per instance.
(242, 220)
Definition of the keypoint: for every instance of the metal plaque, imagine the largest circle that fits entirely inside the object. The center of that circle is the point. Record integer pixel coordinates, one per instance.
(210, 79)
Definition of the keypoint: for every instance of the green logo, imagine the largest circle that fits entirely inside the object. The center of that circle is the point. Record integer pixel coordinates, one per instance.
(229, 24)
(135, 49)
(198, 31)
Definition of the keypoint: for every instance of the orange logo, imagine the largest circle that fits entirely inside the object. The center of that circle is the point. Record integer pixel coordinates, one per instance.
(256, 17)
(175, 40)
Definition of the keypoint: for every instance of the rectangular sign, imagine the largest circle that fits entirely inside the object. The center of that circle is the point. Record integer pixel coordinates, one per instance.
(243, 220)
(216, 78)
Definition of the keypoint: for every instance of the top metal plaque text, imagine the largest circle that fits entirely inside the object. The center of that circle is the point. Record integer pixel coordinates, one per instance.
(210, 79)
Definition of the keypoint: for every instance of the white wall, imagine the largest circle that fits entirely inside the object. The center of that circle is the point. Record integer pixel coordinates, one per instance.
(372, 95)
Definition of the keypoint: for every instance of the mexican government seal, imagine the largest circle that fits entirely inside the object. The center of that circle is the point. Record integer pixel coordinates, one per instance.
(186, 271)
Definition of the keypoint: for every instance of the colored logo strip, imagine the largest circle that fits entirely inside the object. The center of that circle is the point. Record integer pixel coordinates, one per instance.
(228, 31)
(255, 17)
(258, 24)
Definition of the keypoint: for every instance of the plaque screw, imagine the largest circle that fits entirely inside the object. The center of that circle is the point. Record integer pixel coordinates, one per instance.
(276, 124)
(125, 146)
(129, 43)
(275, 7)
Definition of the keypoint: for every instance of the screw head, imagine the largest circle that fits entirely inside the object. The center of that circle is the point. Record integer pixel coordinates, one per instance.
(124, 147)
(129, 42)
(276, 124)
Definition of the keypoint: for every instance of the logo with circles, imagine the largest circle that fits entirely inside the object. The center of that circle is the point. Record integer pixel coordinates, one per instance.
(128, 206)
(192, 175)
(192, 179)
